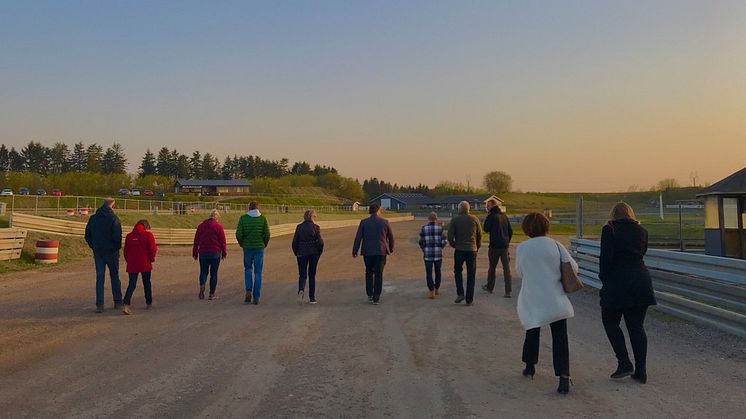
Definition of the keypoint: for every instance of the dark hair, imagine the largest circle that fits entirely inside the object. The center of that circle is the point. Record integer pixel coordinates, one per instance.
(144, 223)
(373, 208)
(535, 225)
(253, 205)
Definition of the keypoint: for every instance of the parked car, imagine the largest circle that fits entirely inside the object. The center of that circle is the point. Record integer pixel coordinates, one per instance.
(135, 192)
(23, 191)
(6, 192)
(56, 192)
(41, 192)
(148, 192)
(124, 191)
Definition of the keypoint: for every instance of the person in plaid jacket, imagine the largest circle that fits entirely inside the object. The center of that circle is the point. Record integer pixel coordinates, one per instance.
(432, 242)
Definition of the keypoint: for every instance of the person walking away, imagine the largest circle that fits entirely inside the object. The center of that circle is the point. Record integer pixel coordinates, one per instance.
(375, 240)
(307, 247)
(209, 248)
(432, 241)
(542, 300)
(465, 236)
(498, 227)
(139, 253)
(626, 290)
(103, 234)
(253, 235)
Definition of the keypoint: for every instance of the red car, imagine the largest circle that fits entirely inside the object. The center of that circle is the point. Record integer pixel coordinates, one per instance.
(56, 192)
(148, 192)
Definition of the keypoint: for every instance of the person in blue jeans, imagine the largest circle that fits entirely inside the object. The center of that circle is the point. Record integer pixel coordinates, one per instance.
(432, 241)
(103, 234)
(253, 236)
(209, 248)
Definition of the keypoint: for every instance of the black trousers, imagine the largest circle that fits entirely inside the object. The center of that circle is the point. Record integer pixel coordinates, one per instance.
(502, 256)
(470, 258)
(307, 271)
(634, 318)
(133, 284)
(374, 275)
(560, 347)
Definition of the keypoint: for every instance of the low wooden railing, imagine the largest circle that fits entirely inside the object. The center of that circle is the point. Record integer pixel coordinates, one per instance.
(11, 243)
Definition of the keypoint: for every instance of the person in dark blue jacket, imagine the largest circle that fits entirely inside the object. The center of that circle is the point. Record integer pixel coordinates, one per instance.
(376, 240)
(103, 233)
(498, 227)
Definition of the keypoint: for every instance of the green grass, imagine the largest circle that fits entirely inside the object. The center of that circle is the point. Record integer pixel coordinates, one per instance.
(71, 249)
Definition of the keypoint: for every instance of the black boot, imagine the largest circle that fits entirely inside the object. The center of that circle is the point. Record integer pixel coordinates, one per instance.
(640, 375)
(529, 371)
(623, 370)
(564, 385)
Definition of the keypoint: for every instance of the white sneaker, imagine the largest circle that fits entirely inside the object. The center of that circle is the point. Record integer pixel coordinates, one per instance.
(300, 296)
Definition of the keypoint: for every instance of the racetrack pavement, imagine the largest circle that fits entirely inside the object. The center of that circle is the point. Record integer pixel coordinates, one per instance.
(408, 357)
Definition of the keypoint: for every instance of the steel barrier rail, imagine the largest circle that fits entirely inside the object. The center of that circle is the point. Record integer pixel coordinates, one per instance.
(693, 287)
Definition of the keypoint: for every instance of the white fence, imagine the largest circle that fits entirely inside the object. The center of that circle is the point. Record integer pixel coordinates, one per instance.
(163, 236)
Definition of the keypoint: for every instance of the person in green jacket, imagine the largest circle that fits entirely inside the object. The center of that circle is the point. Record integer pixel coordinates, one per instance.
(252, 234)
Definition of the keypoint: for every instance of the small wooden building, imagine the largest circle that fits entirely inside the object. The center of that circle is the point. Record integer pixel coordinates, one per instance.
(725, 216)
(403, 201)
(212, 187)
(476, 202)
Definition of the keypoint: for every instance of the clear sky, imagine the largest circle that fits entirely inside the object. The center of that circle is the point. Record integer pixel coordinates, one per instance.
(563, 95)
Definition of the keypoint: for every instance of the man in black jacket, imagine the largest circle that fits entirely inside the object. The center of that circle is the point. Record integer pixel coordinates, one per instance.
(103, 233)
(377, 240)
(500, 231)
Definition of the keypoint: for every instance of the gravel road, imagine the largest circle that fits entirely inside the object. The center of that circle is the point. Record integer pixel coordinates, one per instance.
(409, 357)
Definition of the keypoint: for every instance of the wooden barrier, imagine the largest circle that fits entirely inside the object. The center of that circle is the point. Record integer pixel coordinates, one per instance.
(165, 236)
(11, 243)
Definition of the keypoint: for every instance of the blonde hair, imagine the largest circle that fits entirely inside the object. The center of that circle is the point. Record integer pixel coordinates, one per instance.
(309, 215)
(215, 214)
(622, 210)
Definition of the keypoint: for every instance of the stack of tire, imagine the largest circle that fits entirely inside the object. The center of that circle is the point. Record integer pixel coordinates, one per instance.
(47, 251)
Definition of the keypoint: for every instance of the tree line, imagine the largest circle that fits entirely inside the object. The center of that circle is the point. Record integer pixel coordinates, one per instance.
(493, 182)
(173, 164)
(35, 157)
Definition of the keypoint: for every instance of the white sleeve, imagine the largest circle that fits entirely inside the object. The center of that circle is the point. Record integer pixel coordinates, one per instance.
(519, 259)
(565, 257)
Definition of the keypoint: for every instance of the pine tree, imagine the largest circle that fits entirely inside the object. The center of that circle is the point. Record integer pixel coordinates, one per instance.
(59, 158)
(35, 158)
(15, 160)
(4, 158)
(114, 160)
(195, 164)
(93, 156)
(147, 166)
(77, 161)
(164, 165)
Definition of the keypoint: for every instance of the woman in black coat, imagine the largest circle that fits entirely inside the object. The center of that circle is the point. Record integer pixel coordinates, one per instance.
(307, 247)
(627, 290)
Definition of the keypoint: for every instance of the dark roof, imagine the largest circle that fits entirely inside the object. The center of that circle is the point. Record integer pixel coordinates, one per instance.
(212, 182)
(733, 184)
(406, 198)
(455, 199)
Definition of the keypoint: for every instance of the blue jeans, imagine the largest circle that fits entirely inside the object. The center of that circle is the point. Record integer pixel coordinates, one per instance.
(112, 262)
(209, 264)
(429, 265)
(253, 262)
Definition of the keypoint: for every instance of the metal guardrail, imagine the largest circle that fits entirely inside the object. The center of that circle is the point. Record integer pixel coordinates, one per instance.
(704, 289)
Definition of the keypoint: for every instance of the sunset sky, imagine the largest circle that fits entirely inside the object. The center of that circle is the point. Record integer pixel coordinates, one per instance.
(564, 96)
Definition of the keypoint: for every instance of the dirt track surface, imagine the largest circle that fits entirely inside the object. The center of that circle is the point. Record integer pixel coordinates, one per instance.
(409, 357)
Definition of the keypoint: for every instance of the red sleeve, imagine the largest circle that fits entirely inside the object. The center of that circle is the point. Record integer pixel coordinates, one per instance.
(153, 248)
(223, 245)
(127, 247)
(195, 247)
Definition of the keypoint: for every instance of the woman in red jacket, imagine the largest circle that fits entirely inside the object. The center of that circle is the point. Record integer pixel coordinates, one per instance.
(209, 248)
(139, 253)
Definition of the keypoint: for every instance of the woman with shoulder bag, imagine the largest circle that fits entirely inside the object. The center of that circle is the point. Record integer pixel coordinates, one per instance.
(626, 290)
(542, 300)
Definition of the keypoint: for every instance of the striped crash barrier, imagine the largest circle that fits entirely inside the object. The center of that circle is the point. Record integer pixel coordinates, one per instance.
(47, 251)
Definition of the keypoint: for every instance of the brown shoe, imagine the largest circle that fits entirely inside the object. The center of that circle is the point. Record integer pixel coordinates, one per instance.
(437, 291)
(126, 309)
(431, 295)
(201, 292)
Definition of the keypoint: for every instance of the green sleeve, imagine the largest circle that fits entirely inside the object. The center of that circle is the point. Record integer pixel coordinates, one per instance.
(266, 232)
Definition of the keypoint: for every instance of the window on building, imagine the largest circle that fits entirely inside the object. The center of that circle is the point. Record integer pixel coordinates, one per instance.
(730, 213)
(712, 220)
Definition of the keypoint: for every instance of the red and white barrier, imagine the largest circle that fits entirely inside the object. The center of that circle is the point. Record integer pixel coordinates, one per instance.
(70, 212)
(47, 251)
(83, 212)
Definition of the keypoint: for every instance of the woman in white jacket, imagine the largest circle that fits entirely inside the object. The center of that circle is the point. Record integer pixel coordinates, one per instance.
(542, 300)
